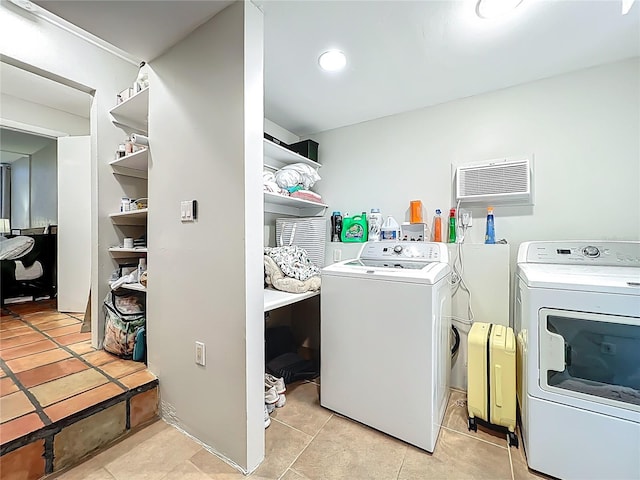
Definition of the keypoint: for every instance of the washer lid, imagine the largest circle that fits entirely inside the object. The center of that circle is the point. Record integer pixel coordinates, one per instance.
(399, 271)
(588, 278)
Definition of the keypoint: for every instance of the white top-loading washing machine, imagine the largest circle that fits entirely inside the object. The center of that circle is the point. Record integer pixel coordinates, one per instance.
(577, 323)
(385, 339)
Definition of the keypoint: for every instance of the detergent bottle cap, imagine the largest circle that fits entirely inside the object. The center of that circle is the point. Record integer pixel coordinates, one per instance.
(490, 210)
(375, 210)
(438, 212)
(336, 213)
(452, 212)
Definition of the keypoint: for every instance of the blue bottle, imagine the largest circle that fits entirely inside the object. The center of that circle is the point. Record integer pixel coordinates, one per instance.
(490, 236)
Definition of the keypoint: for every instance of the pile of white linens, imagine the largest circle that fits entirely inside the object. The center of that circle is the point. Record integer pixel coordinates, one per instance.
(293, 180)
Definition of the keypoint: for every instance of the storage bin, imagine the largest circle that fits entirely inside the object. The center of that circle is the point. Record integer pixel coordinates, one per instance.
(306, 148)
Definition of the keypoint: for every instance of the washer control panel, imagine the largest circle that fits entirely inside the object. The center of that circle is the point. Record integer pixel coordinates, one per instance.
(575, 252)
(414, 251)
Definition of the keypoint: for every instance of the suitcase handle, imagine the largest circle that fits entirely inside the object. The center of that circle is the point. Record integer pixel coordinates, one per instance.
(498, 377)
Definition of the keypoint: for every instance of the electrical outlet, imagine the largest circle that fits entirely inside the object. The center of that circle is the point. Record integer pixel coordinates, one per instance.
(337, 255)
(200, 353)
(466, 218)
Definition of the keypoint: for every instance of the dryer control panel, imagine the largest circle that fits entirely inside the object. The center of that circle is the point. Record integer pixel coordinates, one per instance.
(413, 251)
(618, 254)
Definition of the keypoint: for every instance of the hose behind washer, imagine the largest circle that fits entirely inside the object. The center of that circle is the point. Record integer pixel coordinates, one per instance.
(456, 344)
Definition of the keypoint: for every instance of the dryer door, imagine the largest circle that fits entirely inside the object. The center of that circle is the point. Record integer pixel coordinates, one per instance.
(591, 356)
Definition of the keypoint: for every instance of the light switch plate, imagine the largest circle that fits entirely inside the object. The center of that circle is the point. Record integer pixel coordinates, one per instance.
(200, 354)
(188, 210)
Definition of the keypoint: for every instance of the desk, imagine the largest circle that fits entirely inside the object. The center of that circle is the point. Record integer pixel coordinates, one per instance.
(275, 298)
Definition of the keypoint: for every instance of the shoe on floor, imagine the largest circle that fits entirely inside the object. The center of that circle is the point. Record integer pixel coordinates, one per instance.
(270, 396)
(267, 420)
(273, 399)
(271, 381)
(270, 407)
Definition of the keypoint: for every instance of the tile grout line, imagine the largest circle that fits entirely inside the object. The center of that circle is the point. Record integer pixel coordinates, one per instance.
(44, 418)
(510, 460)
(78, 356)
(64, 422)
(291, 427)
(471, 436)
(33, 327)
(297, 473)
(16, 346)
(83, 360)
(39, 409)
(404, 457)
(306, 446)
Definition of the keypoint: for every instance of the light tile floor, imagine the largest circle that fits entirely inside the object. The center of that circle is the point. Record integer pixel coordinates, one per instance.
(306, 441)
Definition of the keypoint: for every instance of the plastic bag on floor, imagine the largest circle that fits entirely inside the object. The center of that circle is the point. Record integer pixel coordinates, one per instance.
(124, 331)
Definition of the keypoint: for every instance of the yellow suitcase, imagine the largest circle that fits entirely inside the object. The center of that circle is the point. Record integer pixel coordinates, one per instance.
(491, 373)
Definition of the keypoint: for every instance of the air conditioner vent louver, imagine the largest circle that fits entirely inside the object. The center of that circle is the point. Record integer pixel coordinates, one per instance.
(507, 181)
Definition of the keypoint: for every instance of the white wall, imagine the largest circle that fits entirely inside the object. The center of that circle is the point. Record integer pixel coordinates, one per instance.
(20, 193)
(29, 113)
(44, 187)
(94, 70)
(487, 275)
(582, 128)
(205, 130)
(280, 133)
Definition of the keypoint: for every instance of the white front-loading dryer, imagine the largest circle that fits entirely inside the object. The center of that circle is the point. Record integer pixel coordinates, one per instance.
(384, 339)
(577, 323)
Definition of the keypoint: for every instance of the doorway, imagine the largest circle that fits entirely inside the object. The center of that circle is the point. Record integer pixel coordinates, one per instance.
(46, 125)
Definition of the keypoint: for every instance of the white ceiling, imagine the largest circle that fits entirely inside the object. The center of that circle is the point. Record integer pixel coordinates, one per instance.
(145, 29)
(407, 55)
(15, 145)
(36, 89)
(402, 55)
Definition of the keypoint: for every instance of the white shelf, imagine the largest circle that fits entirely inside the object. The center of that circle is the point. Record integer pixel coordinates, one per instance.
(132, 165)
(275, 298)
(133, 112)
(133, 217)
(275, 203)
(134, 286)
(127, 252)
(280, 156)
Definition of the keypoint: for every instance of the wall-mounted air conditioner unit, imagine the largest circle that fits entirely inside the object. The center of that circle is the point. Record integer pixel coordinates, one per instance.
(501, 181)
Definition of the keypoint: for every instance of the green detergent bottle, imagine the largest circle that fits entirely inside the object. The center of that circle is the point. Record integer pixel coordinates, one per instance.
(354, 229)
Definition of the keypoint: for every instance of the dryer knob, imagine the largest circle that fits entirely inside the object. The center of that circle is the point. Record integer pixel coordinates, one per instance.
(590, 251)
(397, 249)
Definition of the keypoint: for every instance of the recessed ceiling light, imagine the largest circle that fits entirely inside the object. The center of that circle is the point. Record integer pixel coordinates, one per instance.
(332, 60)
(495, 8)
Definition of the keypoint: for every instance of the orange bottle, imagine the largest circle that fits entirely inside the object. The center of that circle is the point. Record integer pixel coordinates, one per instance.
(415, 211)
(437, 227)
